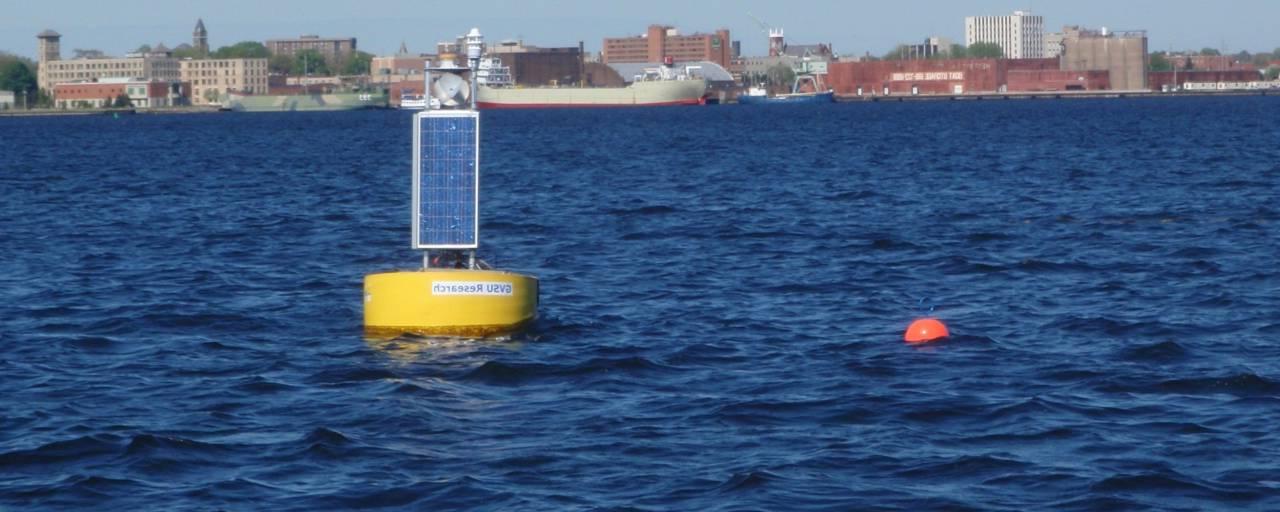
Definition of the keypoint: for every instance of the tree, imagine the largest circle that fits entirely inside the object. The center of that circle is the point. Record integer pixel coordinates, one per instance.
(1210, 51)
(958, 51)
(898, 53)
(242, 50)
(17, 76)
(357, 64)
(1159, 62)
(186, 51)
(122, 101)
(780, 74)
(985, 51)
(1273, 73)
(280, 64)
(309, 62)
(146, 48)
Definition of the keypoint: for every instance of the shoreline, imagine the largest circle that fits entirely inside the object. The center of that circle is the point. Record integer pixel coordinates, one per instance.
(50, 112)
(1055, 95)
(839, 98)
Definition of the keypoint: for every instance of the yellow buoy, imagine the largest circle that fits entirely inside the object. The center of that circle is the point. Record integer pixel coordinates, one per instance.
(449, 302)
(455, 293)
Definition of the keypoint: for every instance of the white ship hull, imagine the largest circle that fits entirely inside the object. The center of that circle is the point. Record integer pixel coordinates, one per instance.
(638, 94)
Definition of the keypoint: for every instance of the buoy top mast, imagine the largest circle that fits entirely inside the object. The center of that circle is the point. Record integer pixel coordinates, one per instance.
(446, 164)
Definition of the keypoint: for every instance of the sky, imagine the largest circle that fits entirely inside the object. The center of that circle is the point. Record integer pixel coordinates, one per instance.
(853, 27)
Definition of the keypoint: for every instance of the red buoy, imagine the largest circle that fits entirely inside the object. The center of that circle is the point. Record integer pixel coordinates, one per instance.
(925, 330)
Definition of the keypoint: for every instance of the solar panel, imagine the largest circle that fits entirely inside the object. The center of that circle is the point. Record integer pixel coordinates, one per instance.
(446, 179)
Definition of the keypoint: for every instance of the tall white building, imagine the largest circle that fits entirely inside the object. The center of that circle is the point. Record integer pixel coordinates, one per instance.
(1021, 35)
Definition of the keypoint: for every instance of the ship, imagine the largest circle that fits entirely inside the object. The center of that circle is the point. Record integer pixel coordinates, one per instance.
(661, 86)
(806, 89)
(305, 102)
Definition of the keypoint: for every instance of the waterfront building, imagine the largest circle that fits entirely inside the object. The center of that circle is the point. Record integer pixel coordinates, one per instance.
(103, 92)
(157, 64)
(334, 49)
(212, 79)
(1021, 35)
(959, 76)
(662, 41)
(1123, 54)
(6, 100)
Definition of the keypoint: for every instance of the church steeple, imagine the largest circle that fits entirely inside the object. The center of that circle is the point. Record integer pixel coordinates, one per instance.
(200, 38)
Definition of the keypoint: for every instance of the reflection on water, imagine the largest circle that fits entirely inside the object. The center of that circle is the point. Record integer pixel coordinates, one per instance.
(413, 348)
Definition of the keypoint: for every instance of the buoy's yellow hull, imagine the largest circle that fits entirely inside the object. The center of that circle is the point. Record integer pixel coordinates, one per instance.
(449, 302)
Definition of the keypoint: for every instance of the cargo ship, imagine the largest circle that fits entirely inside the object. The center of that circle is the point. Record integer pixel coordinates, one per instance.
(662, 86)
(305, 102)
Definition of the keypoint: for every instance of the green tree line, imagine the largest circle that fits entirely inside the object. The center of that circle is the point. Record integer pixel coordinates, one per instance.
(18, 74)
(956, 51)
(1164, 61)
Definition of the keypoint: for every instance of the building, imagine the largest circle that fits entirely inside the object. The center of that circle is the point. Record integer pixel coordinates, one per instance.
(6, 100)
(1045, 75)
(398, 68)
(103, 93)
(1209, 63)
(48, 49)
(157, 64)
(334, 49)
(801, 58)
(1021, 35)
(908, 77)
(662, 41)
(777, 42)
(931, 48)
(213, 79)
(1124, 54)
(535, 66)
(200, 39)
(1171, 80)
(403, 66)
(959, 76)
(1052, 45)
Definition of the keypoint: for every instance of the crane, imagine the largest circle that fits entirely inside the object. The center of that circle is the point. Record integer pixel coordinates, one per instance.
(776, 46)
(763, 26)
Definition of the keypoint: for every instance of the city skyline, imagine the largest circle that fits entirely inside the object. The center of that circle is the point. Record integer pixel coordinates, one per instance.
(852, 29)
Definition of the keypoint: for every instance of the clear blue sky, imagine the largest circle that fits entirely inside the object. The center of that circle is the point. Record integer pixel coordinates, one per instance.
(853, 27)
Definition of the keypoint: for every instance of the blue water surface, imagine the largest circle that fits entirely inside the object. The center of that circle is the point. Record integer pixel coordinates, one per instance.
(724, 292)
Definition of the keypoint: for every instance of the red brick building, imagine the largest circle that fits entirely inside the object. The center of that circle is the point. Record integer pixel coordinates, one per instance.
(141, 93)
(905, 77)
(663, 41)
(1209, 63)
(959, 76)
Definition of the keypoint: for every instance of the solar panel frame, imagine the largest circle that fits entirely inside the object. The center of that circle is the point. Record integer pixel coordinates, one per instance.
(446, 179)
